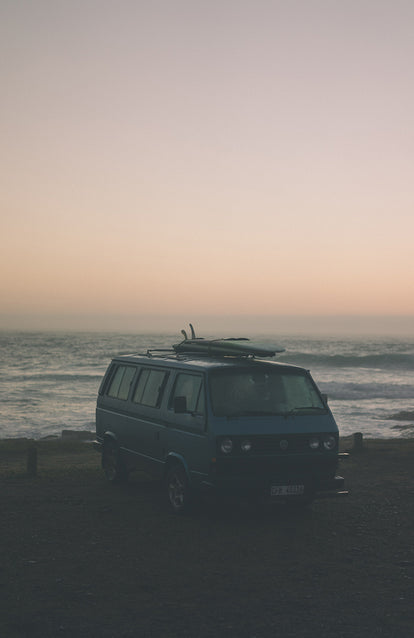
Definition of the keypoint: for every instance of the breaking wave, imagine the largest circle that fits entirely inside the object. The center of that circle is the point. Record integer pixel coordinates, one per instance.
(366, 391)
(374, 361)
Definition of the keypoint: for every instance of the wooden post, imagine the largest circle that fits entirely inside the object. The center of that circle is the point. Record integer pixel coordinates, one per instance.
(358, 444)
(32, 459)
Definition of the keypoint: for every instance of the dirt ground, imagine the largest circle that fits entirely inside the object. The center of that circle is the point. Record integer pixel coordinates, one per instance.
(82, 558)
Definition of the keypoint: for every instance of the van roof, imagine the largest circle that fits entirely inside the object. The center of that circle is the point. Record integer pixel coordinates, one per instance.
(188, 361)
(211, 353)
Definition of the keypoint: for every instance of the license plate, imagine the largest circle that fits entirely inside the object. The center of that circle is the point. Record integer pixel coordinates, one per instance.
(287, 490)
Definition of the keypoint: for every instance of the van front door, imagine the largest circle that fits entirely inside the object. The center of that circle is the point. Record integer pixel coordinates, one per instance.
(186, 434)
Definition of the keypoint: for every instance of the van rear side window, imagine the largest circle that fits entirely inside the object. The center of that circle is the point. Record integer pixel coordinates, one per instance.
(121, 382)
(150, 387)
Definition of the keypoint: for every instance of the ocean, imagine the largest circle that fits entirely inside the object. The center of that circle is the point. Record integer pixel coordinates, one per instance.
(49, 381)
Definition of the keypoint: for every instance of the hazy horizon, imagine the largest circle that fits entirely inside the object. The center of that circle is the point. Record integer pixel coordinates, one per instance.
(249, 325)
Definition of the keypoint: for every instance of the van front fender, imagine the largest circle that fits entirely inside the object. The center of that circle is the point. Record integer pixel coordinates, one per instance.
(173, 457)
(110, 437)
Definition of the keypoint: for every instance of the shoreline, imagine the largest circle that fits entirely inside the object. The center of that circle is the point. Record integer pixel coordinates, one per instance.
(90, 435)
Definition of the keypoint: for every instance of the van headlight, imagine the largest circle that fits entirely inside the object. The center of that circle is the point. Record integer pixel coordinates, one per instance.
(246, 445)
(329, 442)
(314, 443)
(226, 446)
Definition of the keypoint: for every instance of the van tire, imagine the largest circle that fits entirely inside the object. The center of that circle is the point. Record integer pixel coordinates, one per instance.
(178, 489)
(112, 464)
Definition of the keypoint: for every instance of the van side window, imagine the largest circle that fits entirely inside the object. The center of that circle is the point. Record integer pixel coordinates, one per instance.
(150, 387)
(121, 382)
(189, 386)
(106, 380)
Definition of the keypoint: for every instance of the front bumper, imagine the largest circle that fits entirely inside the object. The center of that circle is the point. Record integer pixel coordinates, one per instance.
(277, 479)
(335, 487)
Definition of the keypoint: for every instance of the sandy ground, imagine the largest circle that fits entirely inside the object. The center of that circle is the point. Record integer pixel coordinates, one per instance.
(83, 558)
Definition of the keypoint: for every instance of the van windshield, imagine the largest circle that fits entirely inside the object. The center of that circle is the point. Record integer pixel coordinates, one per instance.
(261, 392)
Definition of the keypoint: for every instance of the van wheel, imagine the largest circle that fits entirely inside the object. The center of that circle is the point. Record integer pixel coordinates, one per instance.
(178, 489)
(112, 465)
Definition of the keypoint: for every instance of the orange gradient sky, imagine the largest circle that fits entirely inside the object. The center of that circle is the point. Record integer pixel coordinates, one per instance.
(206, 158)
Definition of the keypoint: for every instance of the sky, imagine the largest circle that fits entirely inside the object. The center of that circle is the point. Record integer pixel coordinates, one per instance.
(178, 158)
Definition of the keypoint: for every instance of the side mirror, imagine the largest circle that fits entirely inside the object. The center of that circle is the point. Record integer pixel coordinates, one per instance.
(325, 398)
(180, 405)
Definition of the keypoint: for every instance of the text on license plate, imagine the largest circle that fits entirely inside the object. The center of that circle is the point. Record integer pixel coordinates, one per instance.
(286, 490)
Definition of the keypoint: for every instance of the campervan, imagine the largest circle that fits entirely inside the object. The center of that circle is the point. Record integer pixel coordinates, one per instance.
(220, 416)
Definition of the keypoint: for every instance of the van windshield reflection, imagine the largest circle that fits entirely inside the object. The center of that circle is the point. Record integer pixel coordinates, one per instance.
(264, 393)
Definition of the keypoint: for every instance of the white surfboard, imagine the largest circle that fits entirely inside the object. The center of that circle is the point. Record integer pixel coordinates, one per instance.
(227, 347)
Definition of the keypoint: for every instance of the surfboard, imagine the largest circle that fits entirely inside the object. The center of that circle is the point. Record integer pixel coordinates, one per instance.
(227, 347)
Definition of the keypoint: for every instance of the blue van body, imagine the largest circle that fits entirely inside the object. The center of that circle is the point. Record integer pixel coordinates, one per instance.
(232, 425)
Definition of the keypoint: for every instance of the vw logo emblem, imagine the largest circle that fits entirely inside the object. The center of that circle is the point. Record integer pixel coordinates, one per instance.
(284, 444)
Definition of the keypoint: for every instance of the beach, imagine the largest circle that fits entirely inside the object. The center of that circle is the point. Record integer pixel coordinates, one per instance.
(84, 558)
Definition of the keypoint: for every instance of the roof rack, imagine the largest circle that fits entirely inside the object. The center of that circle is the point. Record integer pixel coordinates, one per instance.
(157, 352)
(225, 347)
(198, 347)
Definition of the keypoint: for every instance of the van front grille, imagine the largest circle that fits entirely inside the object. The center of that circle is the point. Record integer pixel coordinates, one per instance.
(280, 444)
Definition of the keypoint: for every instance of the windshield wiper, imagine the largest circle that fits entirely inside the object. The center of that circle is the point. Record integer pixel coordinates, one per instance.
(259, 412)
(304, 408)
(253, 413)
(291, 412)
